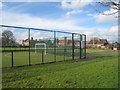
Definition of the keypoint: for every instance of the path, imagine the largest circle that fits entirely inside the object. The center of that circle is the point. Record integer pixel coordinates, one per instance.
(90, 56)
(104, 53)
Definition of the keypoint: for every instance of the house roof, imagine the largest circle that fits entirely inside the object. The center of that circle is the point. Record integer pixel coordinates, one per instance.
(98, 41)
(116, 44)
(62, 41)
(93, 41)
(108, 45)
(87, 42)
(27, 40)
(102, 41)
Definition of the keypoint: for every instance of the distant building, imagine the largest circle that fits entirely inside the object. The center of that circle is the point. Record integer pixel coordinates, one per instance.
(62, 43)
(97, 43)
(77, 43)
(26, 42)
(68, 43)
(116, 46)
(109, 46)
(87, 42)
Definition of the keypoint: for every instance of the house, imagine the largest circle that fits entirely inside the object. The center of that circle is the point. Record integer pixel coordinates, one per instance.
(110, 46)
(63, 42)
(26, 42)
(77, 43)
(87, 42)
(97, 43)
(68, 43)
(116, 46)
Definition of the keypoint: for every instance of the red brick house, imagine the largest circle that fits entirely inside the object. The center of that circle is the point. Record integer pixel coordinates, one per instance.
(68, 43)
(62, 42)
(87, 42)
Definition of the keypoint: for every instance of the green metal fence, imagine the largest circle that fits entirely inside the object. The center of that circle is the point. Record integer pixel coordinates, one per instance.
(27, 46)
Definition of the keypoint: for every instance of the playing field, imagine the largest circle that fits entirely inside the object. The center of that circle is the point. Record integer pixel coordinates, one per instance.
(22, 57)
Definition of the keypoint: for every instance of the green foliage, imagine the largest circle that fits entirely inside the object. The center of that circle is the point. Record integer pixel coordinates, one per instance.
(8, 38)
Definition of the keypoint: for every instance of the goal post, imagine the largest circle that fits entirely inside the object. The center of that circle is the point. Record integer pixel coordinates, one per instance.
(40, 44)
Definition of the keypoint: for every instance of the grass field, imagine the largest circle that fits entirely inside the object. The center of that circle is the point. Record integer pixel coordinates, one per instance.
(90, 51)
(97, 73)
(22, 57)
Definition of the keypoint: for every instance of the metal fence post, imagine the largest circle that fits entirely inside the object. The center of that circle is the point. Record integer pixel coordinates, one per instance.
(55, 46)
(29, 44)
(80, 46)
(85, 45)
(65, 39)
(42, 57)
(64, 53)
(73, 46)
(12, 59)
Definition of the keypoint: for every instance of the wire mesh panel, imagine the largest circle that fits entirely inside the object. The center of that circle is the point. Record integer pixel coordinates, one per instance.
(26, 46)
(0, 57)
(76, 46)
(68, 54)
(49, 56)
(35, 49)
(6, 59)
(20, 56)
(64, 40)
(63, 46)
(12, 40)
(83, 47)
(41, 41)
(1, 30)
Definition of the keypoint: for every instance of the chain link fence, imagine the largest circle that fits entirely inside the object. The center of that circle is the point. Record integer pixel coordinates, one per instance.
(27, 46)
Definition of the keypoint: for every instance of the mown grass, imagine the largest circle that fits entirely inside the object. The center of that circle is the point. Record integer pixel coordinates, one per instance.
(98, 73)
(22, 57)
(90, 51)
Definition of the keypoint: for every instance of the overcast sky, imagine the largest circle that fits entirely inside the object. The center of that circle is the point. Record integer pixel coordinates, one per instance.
(77, 16)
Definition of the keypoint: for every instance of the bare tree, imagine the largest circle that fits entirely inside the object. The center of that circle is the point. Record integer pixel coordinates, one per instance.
(112, 4)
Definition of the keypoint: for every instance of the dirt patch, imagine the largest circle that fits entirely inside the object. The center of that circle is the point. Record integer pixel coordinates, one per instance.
(39, 79)
(87, 59)
(69, 82)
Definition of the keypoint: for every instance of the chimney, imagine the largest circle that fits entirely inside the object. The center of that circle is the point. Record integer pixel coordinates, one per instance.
(31, 38)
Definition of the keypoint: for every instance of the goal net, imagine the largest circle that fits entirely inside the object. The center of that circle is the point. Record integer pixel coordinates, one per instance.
(40, 47)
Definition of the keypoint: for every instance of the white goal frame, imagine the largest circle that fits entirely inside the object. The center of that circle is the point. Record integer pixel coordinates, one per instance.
(40, 44)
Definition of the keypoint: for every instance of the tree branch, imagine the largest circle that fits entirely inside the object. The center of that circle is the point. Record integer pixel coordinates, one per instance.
(108, 13)
(114, 5)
